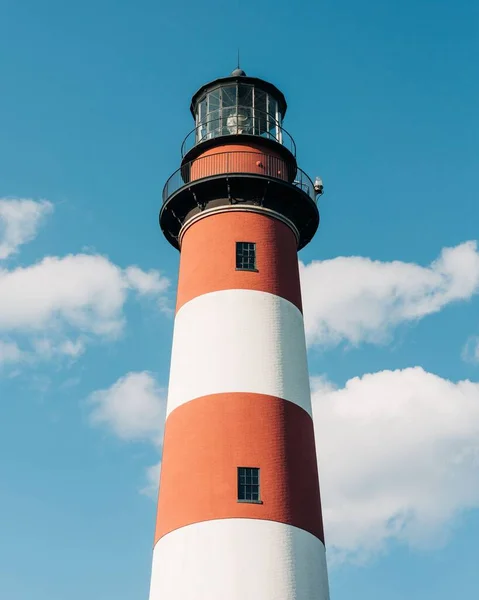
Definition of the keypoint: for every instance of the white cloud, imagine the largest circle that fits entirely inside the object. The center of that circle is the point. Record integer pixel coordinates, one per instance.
(62, 302)
(146, 282)
(72, 348)
(357, 299)
(19, 222)
(9, 352)
(133, 408)
(470, 352)
(152, 477)
(399, 459)
(57, 305)
(85, 291)
(47, 348)
(149, 283)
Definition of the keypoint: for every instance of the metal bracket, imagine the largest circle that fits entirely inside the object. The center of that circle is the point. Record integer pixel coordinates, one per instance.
(233, 200)
(262, 199)
(228, 190)
(176, 217)
(200, 205)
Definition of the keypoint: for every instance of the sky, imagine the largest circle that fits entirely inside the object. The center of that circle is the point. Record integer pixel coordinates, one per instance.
(383, 106)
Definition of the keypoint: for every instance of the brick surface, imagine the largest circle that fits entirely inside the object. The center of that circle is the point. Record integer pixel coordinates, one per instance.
(208, 257)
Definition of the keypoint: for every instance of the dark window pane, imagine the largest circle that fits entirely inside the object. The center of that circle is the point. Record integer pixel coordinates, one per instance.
(201, 112)
(228, 96)
(260, 114)
(260, 100)
(214, 123)
(246, 257)
(245, 95)
(213, 100)
(248, 483)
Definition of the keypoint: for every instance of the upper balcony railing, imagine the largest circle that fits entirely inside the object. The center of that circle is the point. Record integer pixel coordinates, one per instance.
(238, 163)
(240, 120)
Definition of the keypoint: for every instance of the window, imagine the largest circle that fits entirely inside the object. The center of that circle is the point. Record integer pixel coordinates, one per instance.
(228, 96)
(213, 114)
(248, 484)
(236, 109)
(246, 256)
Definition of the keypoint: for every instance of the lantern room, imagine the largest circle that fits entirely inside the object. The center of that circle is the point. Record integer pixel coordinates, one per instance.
(239, 157)
(238, 105)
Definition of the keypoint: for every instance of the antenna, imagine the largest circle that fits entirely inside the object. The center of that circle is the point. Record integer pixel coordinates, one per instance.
(238, 67)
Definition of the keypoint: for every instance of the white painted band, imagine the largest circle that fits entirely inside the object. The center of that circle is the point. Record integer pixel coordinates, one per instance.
(234, 559)
(239, 341)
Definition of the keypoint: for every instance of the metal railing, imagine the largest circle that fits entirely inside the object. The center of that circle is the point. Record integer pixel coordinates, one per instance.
(252, 163)
(254, 122)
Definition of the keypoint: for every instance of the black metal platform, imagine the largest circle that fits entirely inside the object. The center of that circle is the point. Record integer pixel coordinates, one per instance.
(295, 201)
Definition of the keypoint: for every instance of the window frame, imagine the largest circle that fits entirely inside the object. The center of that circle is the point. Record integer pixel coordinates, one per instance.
(248, 472)
(254, 268)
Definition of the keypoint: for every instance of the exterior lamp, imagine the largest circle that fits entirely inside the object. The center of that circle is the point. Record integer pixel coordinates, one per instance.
(318, 186)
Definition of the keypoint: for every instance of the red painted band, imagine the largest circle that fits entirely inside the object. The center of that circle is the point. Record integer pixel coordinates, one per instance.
(208, 257)
(207, 439)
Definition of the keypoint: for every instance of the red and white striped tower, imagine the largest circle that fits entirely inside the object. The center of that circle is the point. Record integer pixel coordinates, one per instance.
(239, 510)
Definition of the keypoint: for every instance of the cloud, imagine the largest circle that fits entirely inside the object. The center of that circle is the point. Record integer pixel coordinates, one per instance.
(145, 282)
(149, 283)
(399, 459)
(9, 353)
(61, 303)
(470, 352)
(56, 306)
(47, 348)
(19, 222)
(356, 299)
(133, 408)
(152, 477)
(85, 291)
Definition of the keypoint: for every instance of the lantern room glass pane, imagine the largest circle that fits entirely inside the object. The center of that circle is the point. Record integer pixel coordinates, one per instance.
(260, 99)
(230, 121)
(213, 100)
(260, 105)
(245, 95)
(272, 107)
(214, 124)
(228, 96)
(201, 119)
(273, 129)
(235, 109)
(202, 111)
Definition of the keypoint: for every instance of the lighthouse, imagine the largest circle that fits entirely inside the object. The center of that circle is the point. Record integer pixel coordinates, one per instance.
(239, 509)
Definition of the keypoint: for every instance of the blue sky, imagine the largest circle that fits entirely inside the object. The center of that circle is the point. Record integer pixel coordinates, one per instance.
(94, 106)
